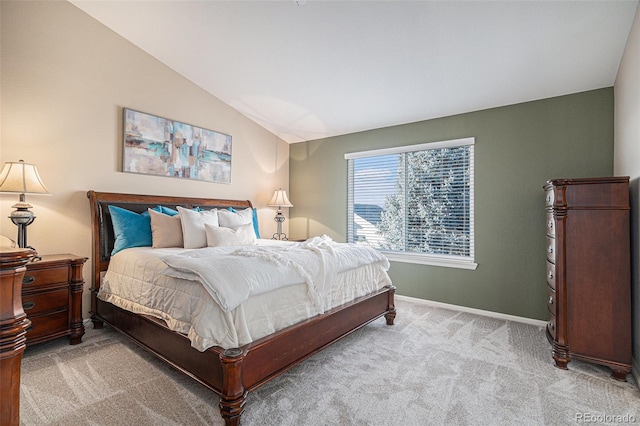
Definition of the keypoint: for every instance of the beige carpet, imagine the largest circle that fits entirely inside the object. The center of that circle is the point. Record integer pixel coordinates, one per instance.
(434, 367)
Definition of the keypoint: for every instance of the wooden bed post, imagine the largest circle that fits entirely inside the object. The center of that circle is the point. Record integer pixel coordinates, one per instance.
(234, 395)
(96, 256)
(391, 314)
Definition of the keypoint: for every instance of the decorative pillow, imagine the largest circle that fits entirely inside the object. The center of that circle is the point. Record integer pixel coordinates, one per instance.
(166, 230)
(232, 218)
(219, 236)
(193, 222)
(256, 228)
(167, 210)
(130, 228)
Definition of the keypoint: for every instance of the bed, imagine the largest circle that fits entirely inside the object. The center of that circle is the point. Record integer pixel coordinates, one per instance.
(230, 372)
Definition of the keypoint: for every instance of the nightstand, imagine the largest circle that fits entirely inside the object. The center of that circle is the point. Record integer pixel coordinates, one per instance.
(52, 298)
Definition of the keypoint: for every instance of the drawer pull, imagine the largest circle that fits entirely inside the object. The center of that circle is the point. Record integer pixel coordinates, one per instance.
(551, 300)
(28, 279)
(28, 305)
(551, 326)
(550, 275)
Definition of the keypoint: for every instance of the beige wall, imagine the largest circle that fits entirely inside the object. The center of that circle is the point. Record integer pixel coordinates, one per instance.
(627, 158)
(65, 79)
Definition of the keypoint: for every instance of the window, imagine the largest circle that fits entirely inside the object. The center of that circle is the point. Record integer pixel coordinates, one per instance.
(415, 203)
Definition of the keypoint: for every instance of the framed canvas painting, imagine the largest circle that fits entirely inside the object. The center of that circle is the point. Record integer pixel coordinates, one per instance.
(158, 146)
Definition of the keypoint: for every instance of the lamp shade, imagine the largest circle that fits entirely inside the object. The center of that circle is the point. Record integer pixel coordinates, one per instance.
(21, 178)
(280, 199)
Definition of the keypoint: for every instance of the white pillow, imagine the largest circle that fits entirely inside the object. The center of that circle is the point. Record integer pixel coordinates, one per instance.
(166, 230)
(193, 223)
(230, 219)
(219, 236)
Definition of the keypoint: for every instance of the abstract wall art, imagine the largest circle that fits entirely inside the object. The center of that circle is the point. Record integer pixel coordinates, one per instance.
(158, 146)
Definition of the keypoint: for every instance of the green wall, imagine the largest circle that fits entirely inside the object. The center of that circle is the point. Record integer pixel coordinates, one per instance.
(518, 147)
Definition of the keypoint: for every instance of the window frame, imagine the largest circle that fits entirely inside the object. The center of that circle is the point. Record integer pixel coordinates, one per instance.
(411, 257)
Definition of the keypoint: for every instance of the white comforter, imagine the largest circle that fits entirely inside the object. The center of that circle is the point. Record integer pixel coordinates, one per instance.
(231, 278)
(138, 280)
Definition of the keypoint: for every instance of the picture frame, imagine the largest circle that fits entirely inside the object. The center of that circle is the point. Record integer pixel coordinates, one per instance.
(159, 146)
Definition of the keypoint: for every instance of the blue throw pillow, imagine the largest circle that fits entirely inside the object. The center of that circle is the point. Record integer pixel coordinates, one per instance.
(255, 223)
(166, 210)
(254, 212)
(130, 228)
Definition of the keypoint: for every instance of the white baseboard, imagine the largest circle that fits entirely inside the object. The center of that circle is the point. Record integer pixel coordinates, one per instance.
(531, 321)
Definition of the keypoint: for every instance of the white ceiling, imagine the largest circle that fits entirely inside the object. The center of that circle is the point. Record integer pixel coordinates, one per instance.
(311, 69)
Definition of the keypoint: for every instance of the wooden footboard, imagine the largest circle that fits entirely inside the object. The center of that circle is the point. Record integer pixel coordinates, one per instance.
(230, 373)
(234, 372)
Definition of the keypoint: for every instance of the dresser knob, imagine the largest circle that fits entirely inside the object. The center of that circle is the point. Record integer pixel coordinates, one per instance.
(28, 305)
(28, 279)
(551, 300)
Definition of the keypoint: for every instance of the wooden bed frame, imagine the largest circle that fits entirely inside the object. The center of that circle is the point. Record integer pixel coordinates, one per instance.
(230, 373)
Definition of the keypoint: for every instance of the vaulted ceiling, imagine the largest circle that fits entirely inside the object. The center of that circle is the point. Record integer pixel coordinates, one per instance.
(310, 69)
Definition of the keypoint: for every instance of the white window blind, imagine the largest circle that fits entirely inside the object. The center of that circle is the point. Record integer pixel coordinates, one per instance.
(414, 202)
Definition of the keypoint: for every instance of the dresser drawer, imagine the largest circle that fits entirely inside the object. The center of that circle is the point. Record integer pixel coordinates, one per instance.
(550, 225)
(551, 301)
(551, 250)
(46, 325)
(549, 198)
(551, 326)
(44, 278)
(45, 301)
(551, 275)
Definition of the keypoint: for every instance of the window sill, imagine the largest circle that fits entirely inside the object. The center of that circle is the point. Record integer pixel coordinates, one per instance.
(430, 260)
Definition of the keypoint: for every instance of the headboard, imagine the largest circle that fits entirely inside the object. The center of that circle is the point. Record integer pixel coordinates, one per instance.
(102, 229)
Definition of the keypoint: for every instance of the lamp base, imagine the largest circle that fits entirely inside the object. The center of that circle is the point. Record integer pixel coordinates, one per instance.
(22, 218)
(279, 219)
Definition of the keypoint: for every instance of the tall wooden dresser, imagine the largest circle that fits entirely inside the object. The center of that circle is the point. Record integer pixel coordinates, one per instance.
(589, 272)
(13, 329)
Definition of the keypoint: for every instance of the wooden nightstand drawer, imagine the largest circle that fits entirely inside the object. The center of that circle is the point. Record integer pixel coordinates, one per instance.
(44, 277)
(46, 301)
(52, 298)
(44, 326)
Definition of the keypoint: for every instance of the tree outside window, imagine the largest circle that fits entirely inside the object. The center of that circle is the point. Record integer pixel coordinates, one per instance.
(416, 200)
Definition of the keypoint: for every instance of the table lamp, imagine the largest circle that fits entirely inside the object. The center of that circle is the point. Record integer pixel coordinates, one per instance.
(279, 200)
(21, 178)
